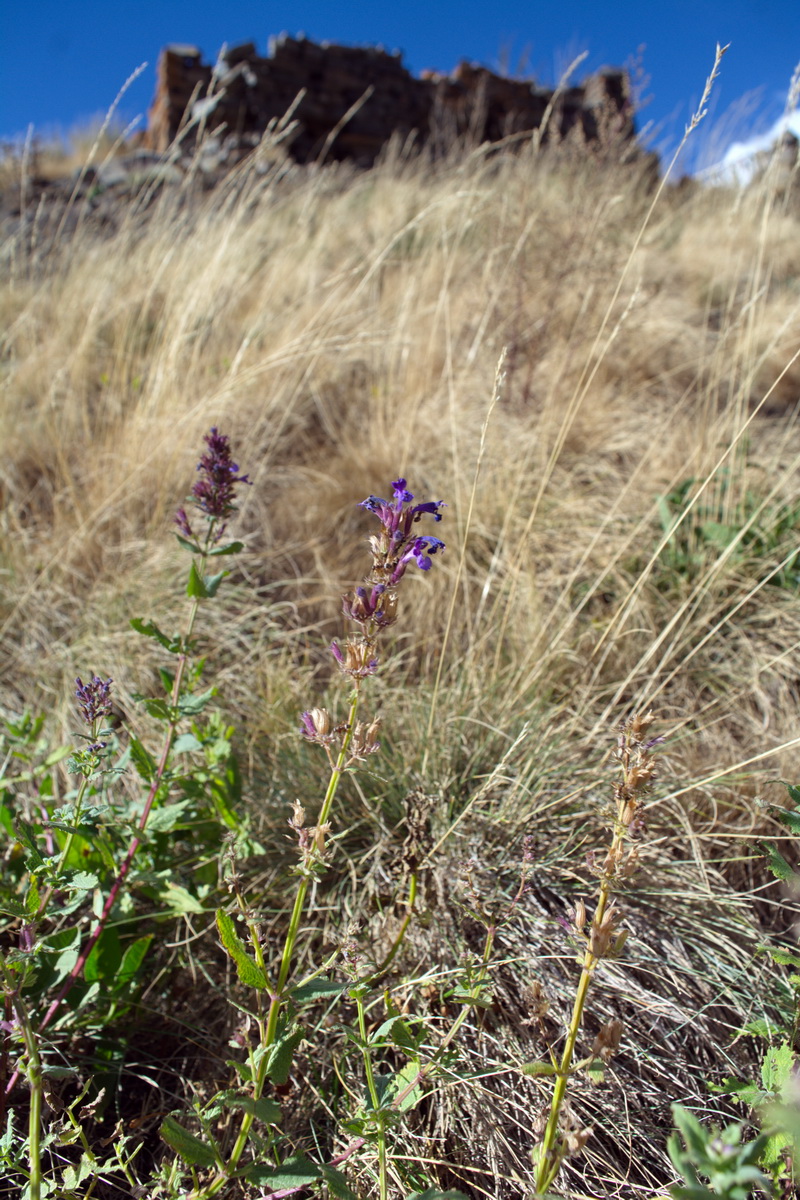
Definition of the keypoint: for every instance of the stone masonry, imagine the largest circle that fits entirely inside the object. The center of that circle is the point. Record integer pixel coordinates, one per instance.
(348, 102)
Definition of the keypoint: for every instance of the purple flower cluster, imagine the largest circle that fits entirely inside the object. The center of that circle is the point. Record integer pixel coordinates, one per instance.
(396, 546)
(215, 493)
(94, 699)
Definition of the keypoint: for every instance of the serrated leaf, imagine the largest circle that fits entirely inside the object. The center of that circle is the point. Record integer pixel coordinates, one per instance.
(785, 957)
(317, 989)
(777, 1067)
(279, 1056)
(186, 743)
(83, 881)
(777, 863)
(247, 968)
(790, 819)
(179, 901)
(794, 793)
(195, 587)
(165, 818)
(150, 630)
(294, 1173)
(337, 1183)
(190, 1148)
(398, 1082)
(26, 836)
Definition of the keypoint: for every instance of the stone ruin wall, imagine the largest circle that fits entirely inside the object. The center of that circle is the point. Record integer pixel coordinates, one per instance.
(353, 100)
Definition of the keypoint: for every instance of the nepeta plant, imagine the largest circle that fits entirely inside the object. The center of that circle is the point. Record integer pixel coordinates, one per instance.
(372, 609)
(78, 852)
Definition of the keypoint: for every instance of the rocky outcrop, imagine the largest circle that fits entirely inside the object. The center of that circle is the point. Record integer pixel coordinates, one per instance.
(347, 102)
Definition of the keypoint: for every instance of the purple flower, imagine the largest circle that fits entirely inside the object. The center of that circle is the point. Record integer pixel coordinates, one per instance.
(215, 493)
(416, 552)
(393, 516)
(94, 698)
(182, 521)
(396, 546)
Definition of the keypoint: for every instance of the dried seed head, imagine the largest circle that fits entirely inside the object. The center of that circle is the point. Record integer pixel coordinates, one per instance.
(575, 1141)
(365, 739)
(579, 920)
(608, 1039)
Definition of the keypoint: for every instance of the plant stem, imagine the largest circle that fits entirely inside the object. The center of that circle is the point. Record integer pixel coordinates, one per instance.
(276, 1004)
(373, 1095)
(549, 1158)
(155, 785)
(34, 1074)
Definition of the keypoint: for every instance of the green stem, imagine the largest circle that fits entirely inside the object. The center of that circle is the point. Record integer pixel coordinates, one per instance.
(373, 1095)
(34, 1074)
(549, 1157)
(286, 959)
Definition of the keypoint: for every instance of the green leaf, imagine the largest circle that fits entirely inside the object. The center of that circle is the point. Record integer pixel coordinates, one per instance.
(692, 1131)
(167, 680)
(131, 961)
(105, 957)
(191, 705)
(190, 1148)
(538, 1068)
(317, 989)
(211, 582)
(279, 1056)
(794, 793)
(399, 1082)
(231, 548)
(337, 1184)
(264, 1109)
(142, 759)
(195, 586)
(186, 743)
(56, 756)
(247, 968)
(777, 1067)
(757, 1028)
(786, 959)
(396, 1030)
(156, 708)
(777, 863)
(150, 629)
(790, 819)
(179, 901)
(295, 1172)
(167, 817)
(32, 899)
(26, 835)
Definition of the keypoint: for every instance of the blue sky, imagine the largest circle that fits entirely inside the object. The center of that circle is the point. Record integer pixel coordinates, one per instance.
(65, 60)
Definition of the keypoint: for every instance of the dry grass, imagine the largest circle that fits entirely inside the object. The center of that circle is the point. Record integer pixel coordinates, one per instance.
(345, 328)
